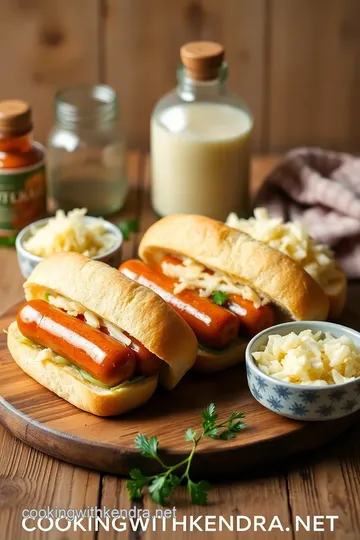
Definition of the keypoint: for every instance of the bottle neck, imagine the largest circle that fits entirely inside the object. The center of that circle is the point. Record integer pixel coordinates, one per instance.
(13, 144)
(193, 90)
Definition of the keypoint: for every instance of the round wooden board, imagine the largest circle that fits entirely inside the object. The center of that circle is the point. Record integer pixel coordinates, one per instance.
(43, 420)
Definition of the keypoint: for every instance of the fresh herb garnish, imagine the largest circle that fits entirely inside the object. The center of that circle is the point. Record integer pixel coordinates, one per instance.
(219, 298)
(127, 227)
(161, 486)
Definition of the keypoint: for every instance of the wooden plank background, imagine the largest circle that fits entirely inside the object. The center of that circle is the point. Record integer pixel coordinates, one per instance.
(296, 62)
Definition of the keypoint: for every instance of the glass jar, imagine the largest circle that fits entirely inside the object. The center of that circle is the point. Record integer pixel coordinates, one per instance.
(201, 140)
(86, 152)
(22, 171)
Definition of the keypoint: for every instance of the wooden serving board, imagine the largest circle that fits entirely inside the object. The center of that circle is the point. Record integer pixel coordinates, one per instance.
(44, 421)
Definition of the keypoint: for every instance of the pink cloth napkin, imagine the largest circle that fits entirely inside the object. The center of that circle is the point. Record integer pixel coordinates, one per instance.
(321, 189)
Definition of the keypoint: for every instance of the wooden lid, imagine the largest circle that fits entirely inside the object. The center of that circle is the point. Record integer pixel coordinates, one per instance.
(202, 59)
(15, 118)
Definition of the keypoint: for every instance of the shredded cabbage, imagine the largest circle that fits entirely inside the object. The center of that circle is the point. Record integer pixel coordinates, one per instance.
(292, 239)
(312, 359)
(70, 232)
(193, 275)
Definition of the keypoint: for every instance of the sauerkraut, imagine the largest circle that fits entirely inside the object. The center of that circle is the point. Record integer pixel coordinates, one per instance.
(70, 232)
(193, 275)
(74, 309)
(292, 239)
(313, 359)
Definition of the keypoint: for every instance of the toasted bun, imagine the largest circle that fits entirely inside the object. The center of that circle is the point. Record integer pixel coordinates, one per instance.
(63, 381)
(122, 302)
(336, 292)
(213, 361)
(235, 253)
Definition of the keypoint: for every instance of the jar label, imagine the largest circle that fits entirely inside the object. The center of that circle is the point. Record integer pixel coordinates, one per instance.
(22, 197)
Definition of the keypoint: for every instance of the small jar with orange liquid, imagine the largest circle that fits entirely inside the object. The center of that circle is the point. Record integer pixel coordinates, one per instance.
(22, 171)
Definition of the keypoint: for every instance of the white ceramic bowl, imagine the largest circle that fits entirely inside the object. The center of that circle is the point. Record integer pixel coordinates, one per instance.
(27, 261)
(302, 402)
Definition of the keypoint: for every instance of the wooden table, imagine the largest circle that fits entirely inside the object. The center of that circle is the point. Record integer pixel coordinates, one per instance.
(325, 482)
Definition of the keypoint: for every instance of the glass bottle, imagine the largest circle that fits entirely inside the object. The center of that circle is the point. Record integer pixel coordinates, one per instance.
(22, 171)
(86, 152)
(200, 140)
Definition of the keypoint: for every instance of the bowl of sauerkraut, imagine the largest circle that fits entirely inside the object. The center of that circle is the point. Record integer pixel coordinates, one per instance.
(93, 237)
(306, 370)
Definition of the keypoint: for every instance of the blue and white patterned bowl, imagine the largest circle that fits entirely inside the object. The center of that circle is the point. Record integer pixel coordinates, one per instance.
(302, 402)
(27, 261)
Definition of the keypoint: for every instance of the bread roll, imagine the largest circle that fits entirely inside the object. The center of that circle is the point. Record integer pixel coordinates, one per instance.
(219, 247)
(122, 302)
(65, 382)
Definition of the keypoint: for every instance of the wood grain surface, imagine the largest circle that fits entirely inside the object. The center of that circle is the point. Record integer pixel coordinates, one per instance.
(295, 62)
(303, 96)
(43, 420)
(143, 40)
(46, 45)
(324, 482)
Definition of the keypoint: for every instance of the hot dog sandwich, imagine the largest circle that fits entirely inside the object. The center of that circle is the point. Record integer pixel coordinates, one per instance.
(96, 338)
(293, 239)
(226, 285)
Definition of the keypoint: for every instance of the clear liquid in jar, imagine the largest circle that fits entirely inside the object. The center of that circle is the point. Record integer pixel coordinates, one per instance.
(100, 197)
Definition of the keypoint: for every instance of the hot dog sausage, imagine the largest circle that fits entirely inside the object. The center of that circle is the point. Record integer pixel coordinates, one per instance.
(253, 320)
(214, 326)
(103, 357)
(147, 363)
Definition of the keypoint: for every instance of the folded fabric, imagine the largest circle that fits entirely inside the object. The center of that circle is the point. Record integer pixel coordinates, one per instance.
(321, 189)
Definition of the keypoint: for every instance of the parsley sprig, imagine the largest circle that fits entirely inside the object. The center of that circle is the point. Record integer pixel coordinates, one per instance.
(161, 486)
(128, 226)
(220, 298)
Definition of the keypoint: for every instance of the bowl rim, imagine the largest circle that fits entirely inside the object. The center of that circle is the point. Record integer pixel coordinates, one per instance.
(36, 258)
(293, 325)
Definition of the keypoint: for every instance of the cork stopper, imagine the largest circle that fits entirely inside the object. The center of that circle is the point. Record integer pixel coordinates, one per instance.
(15, 118)
(202, 59)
